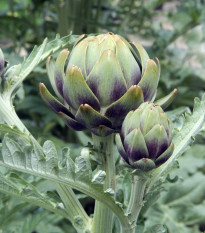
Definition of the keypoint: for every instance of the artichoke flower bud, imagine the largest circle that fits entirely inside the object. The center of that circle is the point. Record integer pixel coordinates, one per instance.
(106, 77)
(145, 141)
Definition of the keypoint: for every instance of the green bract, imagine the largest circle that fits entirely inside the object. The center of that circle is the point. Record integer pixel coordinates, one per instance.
(145, 141)
(105, 78)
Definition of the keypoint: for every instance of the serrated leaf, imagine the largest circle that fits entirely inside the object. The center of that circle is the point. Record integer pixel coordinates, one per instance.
(99, 177)
(181, 207)
(67, 169)
(77, 176)
(15, 185)
(39, 54)
(111, 192)
(13, 133)
(12, 152)
(83, 169)
(191, 126)
(157, 229)
(50, 151)
(192, 161)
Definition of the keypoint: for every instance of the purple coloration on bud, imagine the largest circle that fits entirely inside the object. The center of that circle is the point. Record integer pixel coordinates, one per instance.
(145, 141)
(106, 77)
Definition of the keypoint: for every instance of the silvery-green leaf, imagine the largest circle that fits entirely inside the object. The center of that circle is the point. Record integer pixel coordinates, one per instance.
(39, 54)
(33, 161)
(83, 169)
(99, 177)
(181, 138)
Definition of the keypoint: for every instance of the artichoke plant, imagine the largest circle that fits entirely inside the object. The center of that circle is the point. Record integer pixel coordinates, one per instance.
(105, 78)
(145, 141)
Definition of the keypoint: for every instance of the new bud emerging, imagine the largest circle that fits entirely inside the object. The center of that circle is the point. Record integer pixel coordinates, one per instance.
(105, 78)
(145, 141)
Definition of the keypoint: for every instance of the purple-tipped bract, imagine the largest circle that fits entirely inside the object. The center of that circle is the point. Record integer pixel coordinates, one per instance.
(145, 141)
(106, 77)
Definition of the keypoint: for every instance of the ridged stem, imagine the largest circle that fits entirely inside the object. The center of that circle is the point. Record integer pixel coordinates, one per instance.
(103, 216)
(74, 209)
(136, 199)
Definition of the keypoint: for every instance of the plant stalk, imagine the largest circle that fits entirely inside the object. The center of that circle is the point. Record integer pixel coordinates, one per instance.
(62, 7)
(103, 216)
(74, 209)
(136, 199)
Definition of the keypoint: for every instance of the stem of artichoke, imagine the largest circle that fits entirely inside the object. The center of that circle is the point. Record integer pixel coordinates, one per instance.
(62, 8)
(103, 216)
(74, 209)
(136, 199)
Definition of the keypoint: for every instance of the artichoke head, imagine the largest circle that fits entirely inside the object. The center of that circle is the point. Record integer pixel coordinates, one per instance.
(145, 141)
(105, 78)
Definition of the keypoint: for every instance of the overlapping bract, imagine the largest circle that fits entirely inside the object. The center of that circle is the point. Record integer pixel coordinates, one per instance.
(145, 141)
(106, 77)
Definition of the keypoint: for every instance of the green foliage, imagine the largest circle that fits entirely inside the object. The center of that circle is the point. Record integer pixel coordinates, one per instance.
(27, 156)
(191, 125)
(181, 206)
(171, 30)
(188, 199)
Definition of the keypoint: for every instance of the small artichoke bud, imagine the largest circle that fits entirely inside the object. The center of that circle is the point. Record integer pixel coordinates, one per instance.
(145, 141)
(106, 77)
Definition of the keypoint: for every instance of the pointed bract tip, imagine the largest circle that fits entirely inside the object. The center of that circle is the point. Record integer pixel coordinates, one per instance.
(108, 52)
(42, 86)
(134, 87)
(48, 60)
(85, 107)
(64, 52)
(73, 69)
(60, 113)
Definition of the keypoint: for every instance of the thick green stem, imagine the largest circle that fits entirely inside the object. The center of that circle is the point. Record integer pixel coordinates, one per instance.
(76, 11)
(103, 216)
(8, 114)
(74, 209)
(136, 199)
(62, 7)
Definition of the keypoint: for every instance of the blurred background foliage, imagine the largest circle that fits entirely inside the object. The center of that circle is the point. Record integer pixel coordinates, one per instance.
(173, 31)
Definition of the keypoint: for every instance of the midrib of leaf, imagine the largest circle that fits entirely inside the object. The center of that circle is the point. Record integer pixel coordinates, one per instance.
(78, 185)
(9, 188)
(74, 184)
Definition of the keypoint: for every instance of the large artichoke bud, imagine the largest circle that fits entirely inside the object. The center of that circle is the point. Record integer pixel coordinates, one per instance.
(145, 141)
(106, 77)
